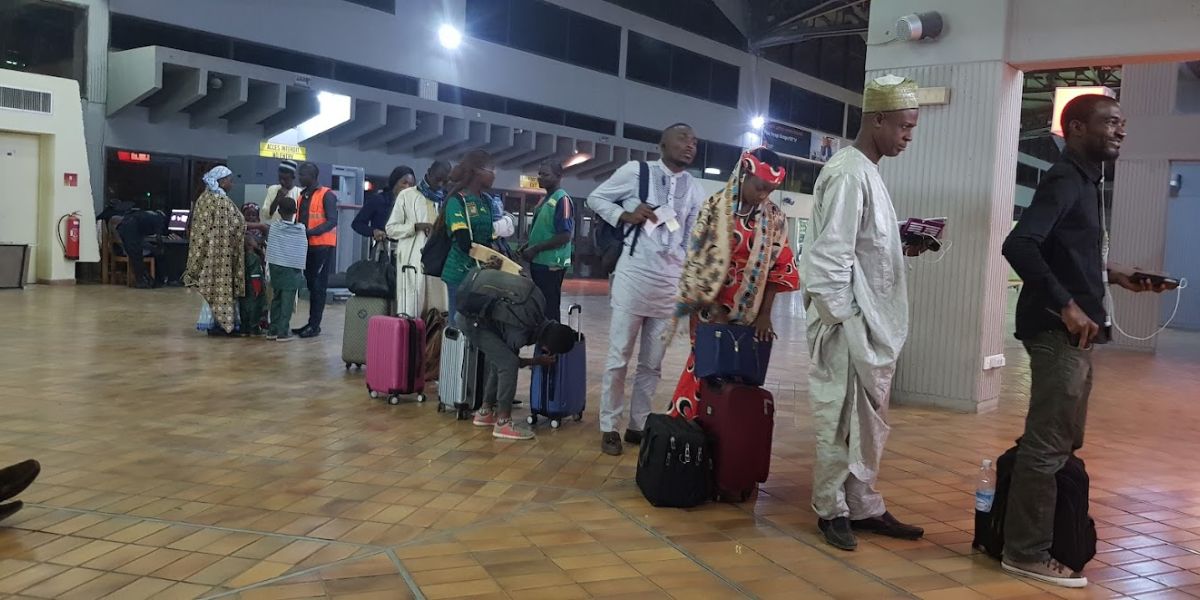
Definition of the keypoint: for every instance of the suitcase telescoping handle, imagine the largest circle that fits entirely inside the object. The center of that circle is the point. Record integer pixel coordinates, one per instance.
(575, 317)
(409, 296)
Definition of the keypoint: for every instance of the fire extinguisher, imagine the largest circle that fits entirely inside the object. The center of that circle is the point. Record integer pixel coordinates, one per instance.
(70, 245)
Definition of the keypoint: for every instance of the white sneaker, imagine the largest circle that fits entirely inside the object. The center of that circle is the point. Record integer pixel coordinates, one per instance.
(1049, 571)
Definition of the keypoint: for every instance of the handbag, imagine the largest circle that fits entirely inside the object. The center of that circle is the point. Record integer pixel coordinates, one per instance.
(373, 277)
(437, 247)
(731, 352)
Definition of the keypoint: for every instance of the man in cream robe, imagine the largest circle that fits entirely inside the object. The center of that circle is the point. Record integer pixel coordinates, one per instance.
(857, 310)
(412, 219)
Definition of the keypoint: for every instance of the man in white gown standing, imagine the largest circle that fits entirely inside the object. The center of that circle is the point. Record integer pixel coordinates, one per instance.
(856, 302)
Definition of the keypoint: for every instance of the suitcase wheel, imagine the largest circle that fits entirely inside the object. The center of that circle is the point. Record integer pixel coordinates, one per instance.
(464, 414)
(393, 400)
(441, 407)
(555, 423)
(531, 419)
(374, 395)
(420, 397)
(578, 417)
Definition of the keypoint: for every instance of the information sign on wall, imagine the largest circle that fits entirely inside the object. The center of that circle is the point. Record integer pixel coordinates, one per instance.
(786, 139)
(281, 151)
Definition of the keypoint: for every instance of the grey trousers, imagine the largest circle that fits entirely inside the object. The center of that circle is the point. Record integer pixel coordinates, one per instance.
(501, 364)
(1061, 383)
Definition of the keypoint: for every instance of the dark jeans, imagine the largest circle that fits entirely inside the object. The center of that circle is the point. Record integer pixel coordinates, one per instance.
(320, 263)
(135, 247)
(1061, 382)
(253, 305)
(550, 282)
(501, 364)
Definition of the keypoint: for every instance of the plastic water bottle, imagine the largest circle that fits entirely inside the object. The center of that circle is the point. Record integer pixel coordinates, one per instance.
(985, 490)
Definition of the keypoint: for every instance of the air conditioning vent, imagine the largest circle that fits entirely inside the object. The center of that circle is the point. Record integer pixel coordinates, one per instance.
(26, 100)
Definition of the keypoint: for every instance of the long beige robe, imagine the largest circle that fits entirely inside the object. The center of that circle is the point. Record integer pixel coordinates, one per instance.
(412, 207)
(856, 301)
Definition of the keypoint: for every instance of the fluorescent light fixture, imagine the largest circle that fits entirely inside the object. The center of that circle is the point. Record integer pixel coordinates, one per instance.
(758, 122)
(576, 159)
(334, 110)
(712, 171)
(449, 36)
(751, 140)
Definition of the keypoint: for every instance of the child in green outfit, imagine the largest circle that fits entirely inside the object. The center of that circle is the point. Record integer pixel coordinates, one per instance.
(287, 252)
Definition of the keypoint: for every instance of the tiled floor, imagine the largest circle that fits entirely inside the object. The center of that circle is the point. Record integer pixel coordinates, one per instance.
(177, 466)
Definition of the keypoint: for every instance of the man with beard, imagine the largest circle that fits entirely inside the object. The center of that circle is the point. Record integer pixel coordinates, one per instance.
(646, 276)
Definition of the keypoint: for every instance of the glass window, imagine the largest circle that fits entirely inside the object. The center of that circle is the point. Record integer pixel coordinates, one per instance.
(670, 67)
(375, 78)
(853, 121)
(547, 30)
(838, 60)
(807, 109)
(703, 18)
(642, 134)
(44, 38)
(387, 6)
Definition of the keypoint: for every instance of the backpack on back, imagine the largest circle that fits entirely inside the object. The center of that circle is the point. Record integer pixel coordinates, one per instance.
(1074, 530)
(610, 240)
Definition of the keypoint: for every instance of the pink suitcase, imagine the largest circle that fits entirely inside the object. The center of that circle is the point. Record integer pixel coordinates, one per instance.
(396, 357)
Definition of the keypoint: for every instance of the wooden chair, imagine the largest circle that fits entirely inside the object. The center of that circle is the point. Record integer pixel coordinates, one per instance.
(110, 260)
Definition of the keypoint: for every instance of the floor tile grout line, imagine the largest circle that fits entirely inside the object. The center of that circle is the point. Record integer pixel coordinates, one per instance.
(299, 573)
(408, 578)
(760, 521)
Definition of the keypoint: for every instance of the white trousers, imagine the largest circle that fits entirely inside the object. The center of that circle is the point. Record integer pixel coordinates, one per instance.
(624, 331)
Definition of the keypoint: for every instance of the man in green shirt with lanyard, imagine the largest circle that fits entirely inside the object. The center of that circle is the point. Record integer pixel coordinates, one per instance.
(549, 247)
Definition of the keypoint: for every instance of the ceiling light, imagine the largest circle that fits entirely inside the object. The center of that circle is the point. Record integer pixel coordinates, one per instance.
(576, 159)
(449, 36)
(712, 171)
(758, 122)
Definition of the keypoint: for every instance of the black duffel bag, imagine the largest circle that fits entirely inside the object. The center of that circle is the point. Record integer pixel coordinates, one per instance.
(373, 277)
(674, 463)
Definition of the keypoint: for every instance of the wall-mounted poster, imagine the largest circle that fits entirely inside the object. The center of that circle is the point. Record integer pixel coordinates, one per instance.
(823, 147)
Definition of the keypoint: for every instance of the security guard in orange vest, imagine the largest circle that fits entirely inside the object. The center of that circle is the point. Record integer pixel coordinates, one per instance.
(318, 212)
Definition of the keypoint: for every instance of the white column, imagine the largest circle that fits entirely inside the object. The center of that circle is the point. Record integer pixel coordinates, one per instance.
(961, 166)
(1140, 195)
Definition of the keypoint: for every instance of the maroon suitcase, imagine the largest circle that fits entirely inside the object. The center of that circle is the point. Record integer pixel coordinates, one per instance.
(740, 420)
(396, 357)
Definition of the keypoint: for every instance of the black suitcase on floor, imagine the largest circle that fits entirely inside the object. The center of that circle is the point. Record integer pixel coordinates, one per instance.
(1074, 530)
(674, 463)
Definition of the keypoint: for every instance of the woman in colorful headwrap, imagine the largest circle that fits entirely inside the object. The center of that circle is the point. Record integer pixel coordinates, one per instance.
(216, 264)
(738, 261)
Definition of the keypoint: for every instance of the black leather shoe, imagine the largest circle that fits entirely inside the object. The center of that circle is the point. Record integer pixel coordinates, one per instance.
(10, 509)
(310, 332)
(838, 534)
(299, 330)
(15, 478)
(888, 525)
(610, 443)
(633, 436)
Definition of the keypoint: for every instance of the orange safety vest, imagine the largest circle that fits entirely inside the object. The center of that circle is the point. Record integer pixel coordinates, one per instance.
(316, 216)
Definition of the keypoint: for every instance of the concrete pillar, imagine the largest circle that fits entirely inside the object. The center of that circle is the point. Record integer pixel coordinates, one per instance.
(1141, 195)
(961, 166)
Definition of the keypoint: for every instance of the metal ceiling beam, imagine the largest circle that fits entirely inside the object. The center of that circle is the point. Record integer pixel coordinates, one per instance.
(805, 34)
(738, 13)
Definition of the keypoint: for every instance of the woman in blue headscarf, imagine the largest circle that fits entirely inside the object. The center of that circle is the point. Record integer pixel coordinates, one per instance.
(216, 257)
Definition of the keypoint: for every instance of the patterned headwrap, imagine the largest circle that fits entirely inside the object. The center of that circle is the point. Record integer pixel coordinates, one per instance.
(212, 177)
(711, 250)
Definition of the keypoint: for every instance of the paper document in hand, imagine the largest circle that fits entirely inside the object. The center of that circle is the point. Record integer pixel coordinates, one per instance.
(483, 254)
(665, 216)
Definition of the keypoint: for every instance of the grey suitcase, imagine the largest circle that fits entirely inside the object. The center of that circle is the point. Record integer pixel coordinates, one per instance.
(359, 310)
(460, 379)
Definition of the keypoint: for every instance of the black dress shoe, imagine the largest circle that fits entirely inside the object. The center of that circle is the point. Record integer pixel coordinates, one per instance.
(299, 330)
(310, 332)
(837, 533)
(633, 436)
(10, 509)
(610, 443)
(15, 478)
(888, 525)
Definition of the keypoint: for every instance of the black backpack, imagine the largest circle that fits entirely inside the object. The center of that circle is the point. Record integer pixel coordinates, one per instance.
(1074, 531)
(610, 240)
(674, 463)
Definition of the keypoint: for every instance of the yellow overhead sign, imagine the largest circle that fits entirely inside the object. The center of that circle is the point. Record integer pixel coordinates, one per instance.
(530, 182)
(273, 150)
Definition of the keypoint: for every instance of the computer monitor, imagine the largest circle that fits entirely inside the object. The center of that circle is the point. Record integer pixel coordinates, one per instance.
(179, 221)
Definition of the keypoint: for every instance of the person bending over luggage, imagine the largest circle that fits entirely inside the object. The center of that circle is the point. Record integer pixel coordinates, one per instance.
(739, 231)
(13, 480)
(500, 313)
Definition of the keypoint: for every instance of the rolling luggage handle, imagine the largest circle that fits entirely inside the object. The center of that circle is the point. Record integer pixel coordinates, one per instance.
(575, 318)
(413, 314)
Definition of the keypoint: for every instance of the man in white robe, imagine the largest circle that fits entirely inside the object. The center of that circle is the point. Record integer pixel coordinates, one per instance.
(857, 309)
(412, 219)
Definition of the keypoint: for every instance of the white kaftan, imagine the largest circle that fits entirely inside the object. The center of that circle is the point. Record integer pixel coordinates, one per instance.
(856, 301)
(412, 207)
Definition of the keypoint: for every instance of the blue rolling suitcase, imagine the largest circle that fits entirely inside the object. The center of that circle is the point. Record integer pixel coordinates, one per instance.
(560, 391)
